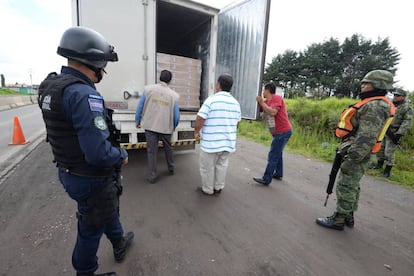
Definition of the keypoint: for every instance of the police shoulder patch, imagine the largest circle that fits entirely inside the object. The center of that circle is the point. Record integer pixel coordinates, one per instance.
(95, 103)
(100, 122)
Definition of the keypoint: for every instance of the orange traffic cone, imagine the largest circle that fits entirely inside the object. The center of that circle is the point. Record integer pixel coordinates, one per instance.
(18, 136)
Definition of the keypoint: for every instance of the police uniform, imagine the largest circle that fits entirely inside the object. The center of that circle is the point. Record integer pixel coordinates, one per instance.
(85, 158)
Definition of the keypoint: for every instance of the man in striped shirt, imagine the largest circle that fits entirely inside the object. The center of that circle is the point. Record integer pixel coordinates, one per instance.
(217, 119)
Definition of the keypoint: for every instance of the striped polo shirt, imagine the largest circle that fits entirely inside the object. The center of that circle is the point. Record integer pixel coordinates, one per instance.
(221, 112)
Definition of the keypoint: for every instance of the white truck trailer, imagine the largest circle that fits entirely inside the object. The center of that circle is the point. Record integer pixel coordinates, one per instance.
(231, 41)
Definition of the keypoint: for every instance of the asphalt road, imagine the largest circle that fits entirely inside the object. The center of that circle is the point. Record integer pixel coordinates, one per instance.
(32, 126)
(247, 230)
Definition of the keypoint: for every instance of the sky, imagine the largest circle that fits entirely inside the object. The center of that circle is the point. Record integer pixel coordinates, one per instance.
(31, 30)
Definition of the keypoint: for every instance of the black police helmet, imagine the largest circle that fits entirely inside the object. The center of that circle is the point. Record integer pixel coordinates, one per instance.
(86, 46)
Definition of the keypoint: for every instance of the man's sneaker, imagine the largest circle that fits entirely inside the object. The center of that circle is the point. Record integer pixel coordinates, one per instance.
(200, 190)
(349, 220)
(121, 245)
(336, 221)
(217, 192)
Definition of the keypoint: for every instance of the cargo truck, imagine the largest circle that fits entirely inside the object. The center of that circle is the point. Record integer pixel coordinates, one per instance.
(152, 35)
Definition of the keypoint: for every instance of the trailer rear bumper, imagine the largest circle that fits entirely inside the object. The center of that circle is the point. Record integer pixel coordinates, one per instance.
(187, 144)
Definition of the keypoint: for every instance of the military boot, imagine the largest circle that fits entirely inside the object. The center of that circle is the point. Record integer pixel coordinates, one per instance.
(387, 171)
(349, 220)
(336, 221)
(93, 274)
(379, 165)
(121, 245)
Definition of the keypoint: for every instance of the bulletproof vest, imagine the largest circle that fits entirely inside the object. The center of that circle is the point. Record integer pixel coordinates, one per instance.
(60, 133)
(345, 128)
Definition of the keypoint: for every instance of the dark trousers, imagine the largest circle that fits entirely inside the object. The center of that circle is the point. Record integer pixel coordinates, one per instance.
(152, 151)
(275, 157)
(79, 188)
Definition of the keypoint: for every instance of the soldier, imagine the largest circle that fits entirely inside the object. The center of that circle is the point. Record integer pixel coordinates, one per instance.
(368, 124)
(398, 128)
(88, 163)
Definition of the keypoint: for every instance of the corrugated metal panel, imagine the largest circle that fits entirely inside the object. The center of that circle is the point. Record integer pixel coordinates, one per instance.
(241, 49)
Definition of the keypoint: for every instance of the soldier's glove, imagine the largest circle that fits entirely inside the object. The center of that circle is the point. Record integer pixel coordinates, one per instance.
(397, 138)
(392, 136)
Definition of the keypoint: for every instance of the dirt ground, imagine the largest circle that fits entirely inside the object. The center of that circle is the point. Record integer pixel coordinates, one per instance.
(247, 230)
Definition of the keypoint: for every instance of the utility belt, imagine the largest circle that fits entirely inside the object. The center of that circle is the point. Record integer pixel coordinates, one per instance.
(102, 206)
(105, 172)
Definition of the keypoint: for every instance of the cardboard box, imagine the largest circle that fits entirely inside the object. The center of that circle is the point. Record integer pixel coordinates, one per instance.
(186, 79)
(167, 58)
(182, 68)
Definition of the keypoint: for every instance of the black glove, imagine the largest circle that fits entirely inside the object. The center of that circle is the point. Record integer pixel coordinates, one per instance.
(397, 138)
(391, 135)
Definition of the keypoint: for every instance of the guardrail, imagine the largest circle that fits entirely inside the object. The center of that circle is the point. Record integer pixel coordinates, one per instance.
(10, 101)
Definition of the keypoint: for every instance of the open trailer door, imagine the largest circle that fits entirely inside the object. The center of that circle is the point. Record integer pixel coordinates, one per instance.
(241, 50)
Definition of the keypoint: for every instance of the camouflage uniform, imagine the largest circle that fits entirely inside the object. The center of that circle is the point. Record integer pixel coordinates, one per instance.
(368, 121)
(355, 149)
(399, 126)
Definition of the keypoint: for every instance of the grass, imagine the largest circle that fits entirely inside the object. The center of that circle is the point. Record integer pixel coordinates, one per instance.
(5, 91)
(313, 126)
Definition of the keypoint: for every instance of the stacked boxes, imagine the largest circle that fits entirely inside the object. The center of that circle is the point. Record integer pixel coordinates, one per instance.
(186, 80)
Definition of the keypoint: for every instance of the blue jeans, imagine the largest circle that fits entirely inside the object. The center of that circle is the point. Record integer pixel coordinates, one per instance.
(79, 188)
(275, 157)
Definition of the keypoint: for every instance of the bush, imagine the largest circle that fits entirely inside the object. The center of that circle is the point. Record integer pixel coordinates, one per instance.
(314, 123)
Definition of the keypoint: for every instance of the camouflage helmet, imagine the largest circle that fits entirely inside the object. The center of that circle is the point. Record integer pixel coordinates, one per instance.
(400, 92)
(86, 46)
(380, 79)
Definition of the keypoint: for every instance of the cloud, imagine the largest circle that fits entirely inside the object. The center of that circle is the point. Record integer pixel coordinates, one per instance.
(30, 45)
(31, 31)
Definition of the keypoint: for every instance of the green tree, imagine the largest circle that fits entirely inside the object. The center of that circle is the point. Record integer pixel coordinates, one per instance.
(322, 67)
(359, 56)
(330, 67)
(284, 69)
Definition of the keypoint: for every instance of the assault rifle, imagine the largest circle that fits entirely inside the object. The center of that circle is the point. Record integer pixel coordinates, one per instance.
(115, 139)
(114, 133)
(336, 165)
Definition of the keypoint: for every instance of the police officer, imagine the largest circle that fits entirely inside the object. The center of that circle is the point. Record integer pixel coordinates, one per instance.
(88, 163)
(398, 128)
(368, 123)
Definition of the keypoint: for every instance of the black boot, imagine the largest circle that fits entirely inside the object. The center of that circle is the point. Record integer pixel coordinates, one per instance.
(121, 245)
(379, 165)
(93, 274)
(336, 221)
(349, 220)
(387, 171)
